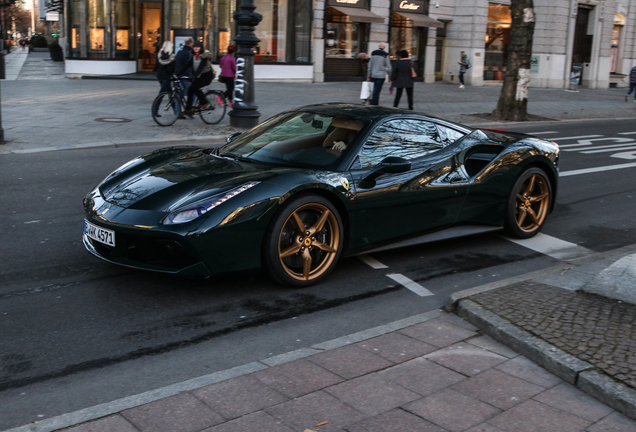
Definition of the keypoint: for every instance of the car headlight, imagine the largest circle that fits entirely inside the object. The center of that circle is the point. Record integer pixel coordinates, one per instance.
(194, 210)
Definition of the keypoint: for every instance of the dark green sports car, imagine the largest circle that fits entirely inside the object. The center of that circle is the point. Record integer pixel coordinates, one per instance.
(307, 186)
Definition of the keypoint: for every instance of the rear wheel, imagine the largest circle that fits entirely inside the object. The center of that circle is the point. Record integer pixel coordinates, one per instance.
(528, 204)
(217, 107)
(304, 242)
(166, 109)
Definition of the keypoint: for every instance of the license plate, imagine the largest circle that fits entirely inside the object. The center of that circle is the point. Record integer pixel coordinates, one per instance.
(99, 234)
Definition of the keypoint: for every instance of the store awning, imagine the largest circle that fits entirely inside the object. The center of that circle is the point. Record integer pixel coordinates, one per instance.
(359, 15)
(420, 20)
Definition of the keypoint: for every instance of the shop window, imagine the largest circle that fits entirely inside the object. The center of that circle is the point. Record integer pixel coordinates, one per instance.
(619, 22)
(122, 39)
(497, 40)
(75, 38)
(404, 36)
(284, 32)
(96, 39)
(226, 10)
(344, 39)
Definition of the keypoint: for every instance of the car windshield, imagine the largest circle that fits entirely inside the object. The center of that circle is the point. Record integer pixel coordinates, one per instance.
(298, 139)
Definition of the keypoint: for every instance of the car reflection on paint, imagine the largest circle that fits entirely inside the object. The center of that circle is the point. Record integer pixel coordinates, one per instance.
(304, 188)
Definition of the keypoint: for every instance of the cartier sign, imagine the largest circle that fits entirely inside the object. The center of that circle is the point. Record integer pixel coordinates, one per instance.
(349, 3)
(411, 6)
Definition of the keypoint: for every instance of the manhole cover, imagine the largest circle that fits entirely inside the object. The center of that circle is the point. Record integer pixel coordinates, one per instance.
(112, 120)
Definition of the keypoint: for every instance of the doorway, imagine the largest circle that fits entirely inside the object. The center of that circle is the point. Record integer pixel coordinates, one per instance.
(148, 35)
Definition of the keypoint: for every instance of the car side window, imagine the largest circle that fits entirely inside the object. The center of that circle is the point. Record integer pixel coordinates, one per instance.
(449, 135)
(406, 138)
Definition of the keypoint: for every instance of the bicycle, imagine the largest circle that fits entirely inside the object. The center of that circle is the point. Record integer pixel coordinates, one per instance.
(168, 106)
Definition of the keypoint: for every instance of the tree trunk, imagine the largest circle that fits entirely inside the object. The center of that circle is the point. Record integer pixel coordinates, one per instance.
(513, 100)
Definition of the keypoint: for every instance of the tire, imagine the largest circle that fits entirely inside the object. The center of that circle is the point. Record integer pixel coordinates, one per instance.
(216, 112)
(528, 204)
(166, 109)
(294, 258)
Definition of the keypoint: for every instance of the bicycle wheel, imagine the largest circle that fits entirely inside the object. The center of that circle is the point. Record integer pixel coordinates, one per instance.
(216, 111)
(166, 109)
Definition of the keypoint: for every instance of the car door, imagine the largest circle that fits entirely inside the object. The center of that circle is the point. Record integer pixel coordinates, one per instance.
(425, 197)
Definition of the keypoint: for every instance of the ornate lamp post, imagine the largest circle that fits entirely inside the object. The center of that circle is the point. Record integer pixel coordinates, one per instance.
(244, 112)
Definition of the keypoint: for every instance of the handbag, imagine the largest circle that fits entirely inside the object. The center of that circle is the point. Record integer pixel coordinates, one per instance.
(221, 78)
(365, 91)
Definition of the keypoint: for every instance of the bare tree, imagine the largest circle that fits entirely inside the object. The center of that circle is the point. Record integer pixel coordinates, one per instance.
(513, 100)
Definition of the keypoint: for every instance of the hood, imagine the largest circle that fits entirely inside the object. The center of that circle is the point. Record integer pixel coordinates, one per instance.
(184, 178)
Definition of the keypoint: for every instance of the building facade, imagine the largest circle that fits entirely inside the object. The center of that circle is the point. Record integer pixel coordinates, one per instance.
(591, 43)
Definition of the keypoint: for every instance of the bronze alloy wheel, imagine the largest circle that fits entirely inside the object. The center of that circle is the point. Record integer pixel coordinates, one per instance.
(532, 203)
(309, 242)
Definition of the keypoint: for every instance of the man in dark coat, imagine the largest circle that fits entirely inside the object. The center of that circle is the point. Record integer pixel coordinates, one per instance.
(183, 62)
(632, 84)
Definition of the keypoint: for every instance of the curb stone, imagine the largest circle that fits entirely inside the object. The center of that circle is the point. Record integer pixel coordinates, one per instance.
(577, 372)
(614, 394)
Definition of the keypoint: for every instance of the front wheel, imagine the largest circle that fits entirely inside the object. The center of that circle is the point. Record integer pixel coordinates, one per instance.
(215, 112)
(528, 204)
(166, 109)
(304, 242)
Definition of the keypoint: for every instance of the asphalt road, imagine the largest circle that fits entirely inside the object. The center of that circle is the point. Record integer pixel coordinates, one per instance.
(77, 331)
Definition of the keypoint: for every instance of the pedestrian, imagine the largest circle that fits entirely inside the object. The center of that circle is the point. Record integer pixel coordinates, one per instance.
(203, 75)
(228, 74)
(379, 67)
(402, 78)
(165, 70)
(632, 84)
(464, 65)
(183, 65)
(23, 44)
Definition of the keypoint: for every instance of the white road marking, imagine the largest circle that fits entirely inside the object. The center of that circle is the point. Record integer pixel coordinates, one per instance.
(590, 142)
(577, 137)
(541, 133)
(552, 246)
(409, 284)
(627, 133)
(372, 262)
(598, 147)
(596, 169)
(605, 150)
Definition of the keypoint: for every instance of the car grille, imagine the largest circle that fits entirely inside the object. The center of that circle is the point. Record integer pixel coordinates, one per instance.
(158, 252)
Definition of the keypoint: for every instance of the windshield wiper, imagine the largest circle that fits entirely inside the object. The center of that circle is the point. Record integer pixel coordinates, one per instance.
(239, 158)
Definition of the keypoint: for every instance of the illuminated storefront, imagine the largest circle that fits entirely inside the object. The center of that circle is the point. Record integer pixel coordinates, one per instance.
(409, 30)
(347, 27)
(124, 36)
(497, 40)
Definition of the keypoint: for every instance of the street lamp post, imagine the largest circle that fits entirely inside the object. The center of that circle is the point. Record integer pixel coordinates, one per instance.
(244, 112)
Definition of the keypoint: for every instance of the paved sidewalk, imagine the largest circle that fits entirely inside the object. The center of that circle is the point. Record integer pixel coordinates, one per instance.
(432, 373)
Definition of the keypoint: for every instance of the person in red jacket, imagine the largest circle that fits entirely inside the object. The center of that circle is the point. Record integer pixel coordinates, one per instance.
(228, 72)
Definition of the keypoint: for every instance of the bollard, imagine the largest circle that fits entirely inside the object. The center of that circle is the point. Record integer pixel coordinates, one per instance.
(2, 67)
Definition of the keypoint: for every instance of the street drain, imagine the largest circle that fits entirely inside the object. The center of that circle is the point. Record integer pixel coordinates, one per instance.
(112, 120)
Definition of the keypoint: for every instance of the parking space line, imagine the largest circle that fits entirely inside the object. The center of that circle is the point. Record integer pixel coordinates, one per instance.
(409, 284)
(541, 133)
(605, 150)
(587, 143)
(596, 169)
(627, 133)
(552, 246)
(372, 262)
(577, 137)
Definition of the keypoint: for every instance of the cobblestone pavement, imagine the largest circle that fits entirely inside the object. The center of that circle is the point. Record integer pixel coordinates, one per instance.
(593, 328)
(438, 375)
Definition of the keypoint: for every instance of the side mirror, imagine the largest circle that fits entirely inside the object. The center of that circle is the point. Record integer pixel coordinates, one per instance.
(389, 165)
(233, 137)
(393, 165)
